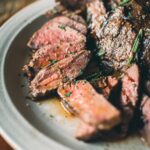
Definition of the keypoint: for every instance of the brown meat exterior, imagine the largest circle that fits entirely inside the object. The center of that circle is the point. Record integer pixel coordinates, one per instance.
(129, 96)
(55, 33)
(91, 107)
(51, 77)
(85, 132)
(50, 54)
(114, 36)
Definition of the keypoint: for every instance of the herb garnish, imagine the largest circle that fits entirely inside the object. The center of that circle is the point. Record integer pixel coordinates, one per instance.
(137, 41)
(135, 46)
(124, 2)
(68, 94)
(81, 72)
(100, 53)
(63, 27)
(53, 62)
(129, 60)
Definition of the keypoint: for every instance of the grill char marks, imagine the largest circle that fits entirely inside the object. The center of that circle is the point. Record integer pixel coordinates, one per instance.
(89, 106)
(51, 77)
(55, 33)
(114, 36)
(50, 54)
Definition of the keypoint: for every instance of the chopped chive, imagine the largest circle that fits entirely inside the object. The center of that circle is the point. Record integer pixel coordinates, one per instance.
(137, 41)
(63, 27)
(53, 62)
(124, 2)
(81, 72)
(68, 94)
(100, 53)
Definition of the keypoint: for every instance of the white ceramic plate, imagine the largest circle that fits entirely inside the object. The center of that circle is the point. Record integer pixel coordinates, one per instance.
(26, 124)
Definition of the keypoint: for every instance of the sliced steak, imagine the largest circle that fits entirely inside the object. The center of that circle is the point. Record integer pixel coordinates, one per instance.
(129, 96)
(51, 77)
(89, 106)
(56, 33)
(145, 107)
(65, 21)
(96, 16)
(50, 54)
(114, 36)
(85, 132)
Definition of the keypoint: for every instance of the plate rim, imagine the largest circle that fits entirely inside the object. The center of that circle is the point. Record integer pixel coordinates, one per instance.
(11, 117)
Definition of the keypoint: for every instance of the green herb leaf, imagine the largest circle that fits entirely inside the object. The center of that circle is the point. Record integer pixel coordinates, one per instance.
(129, 60)
(100, 53)
(63, 27)
(124, 2)
(68, 94)
(81, 72)
(53, 62)
(137, 41)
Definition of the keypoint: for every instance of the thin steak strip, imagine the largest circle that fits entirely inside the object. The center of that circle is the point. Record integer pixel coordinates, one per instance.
(51, 77)
(89, 106)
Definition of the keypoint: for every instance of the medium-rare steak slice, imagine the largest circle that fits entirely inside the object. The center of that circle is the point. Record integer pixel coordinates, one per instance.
(55, 33)
(65, 21)
(89, 106)
(51, 77)
(50, 54)
(85, 132)
(129, 96)
(114, 36)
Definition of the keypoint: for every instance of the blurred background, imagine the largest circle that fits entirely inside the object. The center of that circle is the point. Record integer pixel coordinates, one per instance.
(7, 9)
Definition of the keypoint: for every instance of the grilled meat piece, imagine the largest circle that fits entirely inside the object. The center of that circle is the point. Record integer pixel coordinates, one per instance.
(51, 77)
(114, 36)
(50, 54)
(65, 21)
(89, 106)
(129, 96)
(96, 16)
(55, 33)
(85, 132)
(105, 84)
(145, 107)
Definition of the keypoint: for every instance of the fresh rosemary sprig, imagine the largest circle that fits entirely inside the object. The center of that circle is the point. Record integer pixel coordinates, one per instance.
(137, 41)
(124, 2)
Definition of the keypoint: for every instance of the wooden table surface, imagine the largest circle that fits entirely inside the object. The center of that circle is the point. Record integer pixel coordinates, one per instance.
(7, 9)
